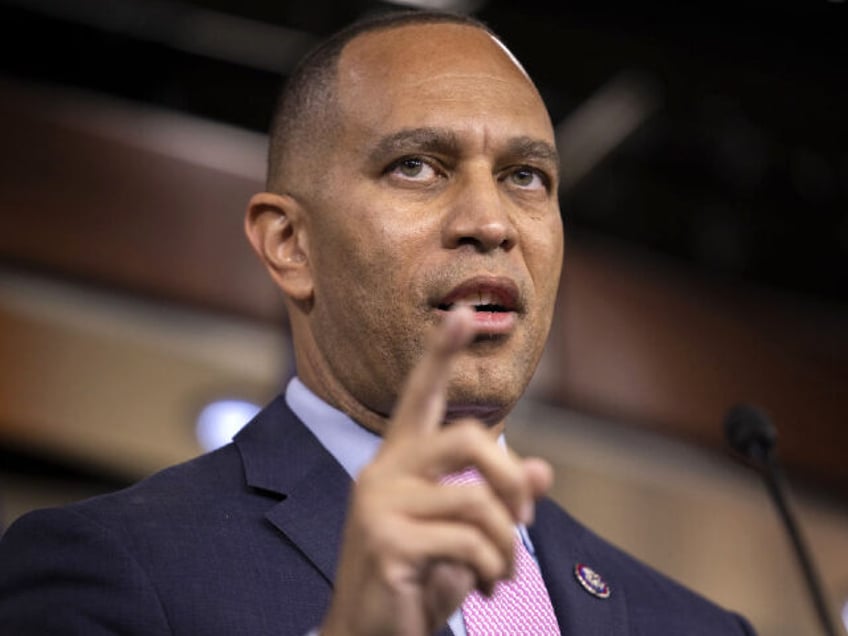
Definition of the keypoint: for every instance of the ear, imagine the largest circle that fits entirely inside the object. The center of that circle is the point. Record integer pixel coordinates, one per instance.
(274, 225)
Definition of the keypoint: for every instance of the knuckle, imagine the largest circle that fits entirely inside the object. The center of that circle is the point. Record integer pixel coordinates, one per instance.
(487, 560)
(391, 571)
(478, 502)
(380, 538)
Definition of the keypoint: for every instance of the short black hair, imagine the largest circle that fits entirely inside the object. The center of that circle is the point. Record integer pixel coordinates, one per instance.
(304, 107)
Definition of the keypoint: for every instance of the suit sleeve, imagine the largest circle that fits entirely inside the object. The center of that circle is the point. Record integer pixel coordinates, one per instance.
(63, 573)
(747, 628)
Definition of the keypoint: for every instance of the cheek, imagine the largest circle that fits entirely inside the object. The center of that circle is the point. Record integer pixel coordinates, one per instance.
(367, 270)
(385, 253)
(365, 224)
(544, 253)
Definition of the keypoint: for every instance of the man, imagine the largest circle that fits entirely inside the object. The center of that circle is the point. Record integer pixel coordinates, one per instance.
(411, 220)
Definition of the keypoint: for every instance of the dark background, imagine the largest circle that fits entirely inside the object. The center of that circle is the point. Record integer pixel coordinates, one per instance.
(742, 171)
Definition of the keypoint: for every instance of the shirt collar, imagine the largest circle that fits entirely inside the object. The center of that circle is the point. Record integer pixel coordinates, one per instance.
(352, 445)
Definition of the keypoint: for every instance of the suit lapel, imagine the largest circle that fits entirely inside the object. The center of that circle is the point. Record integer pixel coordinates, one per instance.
(312, 517)
(282, 457)
(560, 544)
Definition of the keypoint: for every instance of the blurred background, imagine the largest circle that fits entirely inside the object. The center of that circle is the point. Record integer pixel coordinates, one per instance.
(705, 199)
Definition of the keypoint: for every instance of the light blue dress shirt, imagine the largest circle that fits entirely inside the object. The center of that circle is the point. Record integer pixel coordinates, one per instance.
(354, 447)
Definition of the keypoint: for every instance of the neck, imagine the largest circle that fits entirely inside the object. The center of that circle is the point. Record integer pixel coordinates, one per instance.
(315, 374)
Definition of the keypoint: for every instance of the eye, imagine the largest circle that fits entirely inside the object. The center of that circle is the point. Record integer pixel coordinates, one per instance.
(529, 178)
(412, 169)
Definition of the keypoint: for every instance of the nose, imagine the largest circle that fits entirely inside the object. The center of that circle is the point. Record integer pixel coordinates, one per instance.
(479, 216)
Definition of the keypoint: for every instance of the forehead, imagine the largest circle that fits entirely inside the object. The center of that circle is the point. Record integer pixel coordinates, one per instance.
(420, 74)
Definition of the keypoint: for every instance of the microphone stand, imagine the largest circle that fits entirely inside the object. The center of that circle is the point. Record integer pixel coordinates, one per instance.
(751, 434)
(775, 483)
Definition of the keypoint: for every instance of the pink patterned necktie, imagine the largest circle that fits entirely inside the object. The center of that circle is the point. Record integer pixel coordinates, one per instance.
(518, 606)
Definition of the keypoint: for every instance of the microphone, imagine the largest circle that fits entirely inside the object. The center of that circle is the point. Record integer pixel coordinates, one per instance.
(750, 433)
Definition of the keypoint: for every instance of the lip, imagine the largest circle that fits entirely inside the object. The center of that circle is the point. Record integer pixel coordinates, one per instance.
(484, 413)
(501, 290)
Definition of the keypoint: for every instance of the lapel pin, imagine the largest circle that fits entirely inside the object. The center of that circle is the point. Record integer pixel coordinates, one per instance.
(591, 581)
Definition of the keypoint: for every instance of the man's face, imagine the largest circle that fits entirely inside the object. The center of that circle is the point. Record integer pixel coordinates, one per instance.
(439, 189)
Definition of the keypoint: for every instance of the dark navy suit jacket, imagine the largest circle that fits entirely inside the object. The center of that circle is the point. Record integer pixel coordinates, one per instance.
(244, 541)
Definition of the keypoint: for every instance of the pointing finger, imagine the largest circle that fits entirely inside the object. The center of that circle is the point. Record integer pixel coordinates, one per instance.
(421, 405)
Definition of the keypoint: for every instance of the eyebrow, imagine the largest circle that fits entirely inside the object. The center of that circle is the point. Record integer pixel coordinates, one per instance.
(442, 141)
(528, 148)
(436, 140)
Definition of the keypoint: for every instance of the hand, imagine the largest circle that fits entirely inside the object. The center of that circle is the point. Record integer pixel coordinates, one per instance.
(413, 547)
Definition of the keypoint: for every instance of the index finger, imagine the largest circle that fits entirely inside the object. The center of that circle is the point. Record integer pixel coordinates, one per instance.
(421, 405)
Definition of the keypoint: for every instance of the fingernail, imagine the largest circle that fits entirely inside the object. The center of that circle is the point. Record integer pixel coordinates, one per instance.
(457, 333)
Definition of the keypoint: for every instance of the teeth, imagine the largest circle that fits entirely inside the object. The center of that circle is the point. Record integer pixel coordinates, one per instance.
(476, 299)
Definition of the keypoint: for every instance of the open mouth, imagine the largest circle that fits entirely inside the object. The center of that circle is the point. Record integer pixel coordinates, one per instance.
(477, 307)
(494, 300)
(483, 303)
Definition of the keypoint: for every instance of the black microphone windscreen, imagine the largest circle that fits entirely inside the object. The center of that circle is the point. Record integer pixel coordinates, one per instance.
(749, 431)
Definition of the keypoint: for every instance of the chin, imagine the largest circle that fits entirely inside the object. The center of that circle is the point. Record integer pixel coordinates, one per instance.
(489, 402)
(498, 379)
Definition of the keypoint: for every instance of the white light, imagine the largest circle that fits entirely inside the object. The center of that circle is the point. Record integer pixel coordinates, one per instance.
(219, 421)
(845, 614)
(603, 122)
(457, 6)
